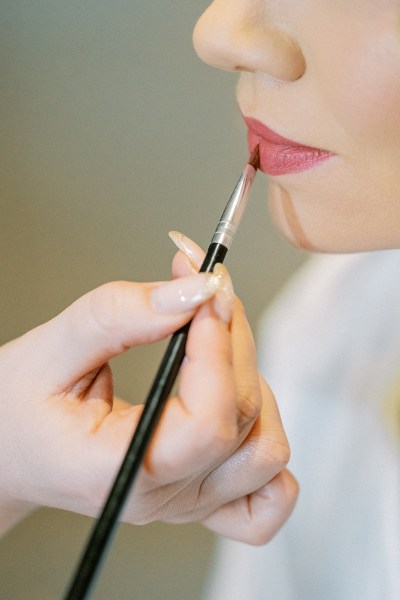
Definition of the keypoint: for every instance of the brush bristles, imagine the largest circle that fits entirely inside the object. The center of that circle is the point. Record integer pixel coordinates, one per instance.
(254, 159)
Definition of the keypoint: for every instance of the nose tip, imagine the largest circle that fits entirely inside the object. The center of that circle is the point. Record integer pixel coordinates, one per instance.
(272, 52)
(231, 42)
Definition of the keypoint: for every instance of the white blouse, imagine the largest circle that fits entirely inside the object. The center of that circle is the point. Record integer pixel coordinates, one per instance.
(330, 349)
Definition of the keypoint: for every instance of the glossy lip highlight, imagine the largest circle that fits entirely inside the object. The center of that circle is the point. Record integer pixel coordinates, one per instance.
(280, 156)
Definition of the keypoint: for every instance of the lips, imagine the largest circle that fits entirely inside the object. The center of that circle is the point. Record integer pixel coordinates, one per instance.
(280, 156)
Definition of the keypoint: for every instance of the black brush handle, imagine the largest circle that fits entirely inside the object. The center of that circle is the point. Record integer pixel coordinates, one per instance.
(155, 402)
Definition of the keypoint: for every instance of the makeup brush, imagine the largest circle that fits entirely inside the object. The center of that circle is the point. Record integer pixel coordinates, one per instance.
(158, 395)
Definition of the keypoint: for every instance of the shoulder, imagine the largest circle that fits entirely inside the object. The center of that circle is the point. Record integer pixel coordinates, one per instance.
(334, 303)
(325, 279)
(334, 285)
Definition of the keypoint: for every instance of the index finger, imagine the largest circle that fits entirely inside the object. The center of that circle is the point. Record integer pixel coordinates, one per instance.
(96, 327)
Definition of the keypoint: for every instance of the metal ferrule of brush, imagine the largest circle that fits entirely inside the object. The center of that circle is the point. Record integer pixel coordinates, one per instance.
(232, 215)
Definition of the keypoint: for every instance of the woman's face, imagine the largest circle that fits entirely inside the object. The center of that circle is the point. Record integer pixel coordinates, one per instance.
(325, 75)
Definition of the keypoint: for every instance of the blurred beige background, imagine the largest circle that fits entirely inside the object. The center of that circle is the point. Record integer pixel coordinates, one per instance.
(113, 133)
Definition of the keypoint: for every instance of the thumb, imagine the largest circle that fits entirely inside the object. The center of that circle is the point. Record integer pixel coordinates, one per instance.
(107, 321)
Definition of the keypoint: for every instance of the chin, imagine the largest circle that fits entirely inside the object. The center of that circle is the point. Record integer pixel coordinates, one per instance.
(328, 241)
(286, 220)
(326, 229)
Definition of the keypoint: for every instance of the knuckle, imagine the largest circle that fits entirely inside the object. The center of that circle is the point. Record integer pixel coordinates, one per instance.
(259, 536)
(249, 402)
(219, 438)
(105, 304)
(283, 491)
(293, 490)
(286, 489)
(277, 450)
(161, 461)
(221, 357)
(280, 496)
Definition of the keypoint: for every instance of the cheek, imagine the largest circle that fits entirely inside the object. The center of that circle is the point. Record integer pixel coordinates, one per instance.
(362, 91)
(284, 213)
(339, 211)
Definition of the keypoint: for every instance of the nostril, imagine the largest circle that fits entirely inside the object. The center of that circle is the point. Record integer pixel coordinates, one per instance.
(235, 41)
(274, 53)
(293, 63)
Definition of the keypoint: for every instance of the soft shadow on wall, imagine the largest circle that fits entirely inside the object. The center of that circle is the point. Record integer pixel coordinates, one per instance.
(115, 133)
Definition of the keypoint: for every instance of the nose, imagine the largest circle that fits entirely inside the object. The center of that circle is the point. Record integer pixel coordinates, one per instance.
(243, 35)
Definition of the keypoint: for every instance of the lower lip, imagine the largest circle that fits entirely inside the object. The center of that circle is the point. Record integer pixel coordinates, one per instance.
(279, 156)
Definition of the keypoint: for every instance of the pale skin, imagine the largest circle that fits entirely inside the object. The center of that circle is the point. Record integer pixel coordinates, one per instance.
(219, 454)
(327, 74)
(323, 73)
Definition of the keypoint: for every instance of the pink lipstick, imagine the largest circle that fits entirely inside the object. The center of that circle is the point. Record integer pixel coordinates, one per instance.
(280, 156)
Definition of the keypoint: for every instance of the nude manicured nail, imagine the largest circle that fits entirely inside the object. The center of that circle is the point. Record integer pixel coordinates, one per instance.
(189, 249)
(183, 294)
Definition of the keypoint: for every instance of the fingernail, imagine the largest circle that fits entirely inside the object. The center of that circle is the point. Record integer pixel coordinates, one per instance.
(183, 294)
(225, 295)
(193, 253)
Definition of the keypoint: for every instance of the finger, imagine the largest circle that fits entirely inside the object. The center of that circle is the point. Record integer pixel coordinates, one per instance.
(199, 426)
(99, 401)
(256, 518)
(261, 456)
(249, 396)
(107, 321)
(189, 258)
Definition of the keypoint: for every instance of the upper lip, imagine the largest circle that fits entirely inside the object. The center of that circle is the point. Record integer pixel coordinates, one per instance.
(262, 131)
